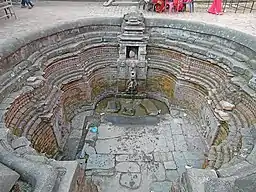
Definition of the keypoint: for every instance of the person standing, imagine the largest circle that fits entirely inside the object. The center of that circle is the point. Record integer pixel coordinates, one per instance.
(216, 7)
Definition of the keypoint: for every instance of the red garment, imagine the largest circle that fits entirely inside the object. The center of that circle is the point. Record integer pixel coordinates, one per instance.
(159, 5)
(216, 7)
(178, 5)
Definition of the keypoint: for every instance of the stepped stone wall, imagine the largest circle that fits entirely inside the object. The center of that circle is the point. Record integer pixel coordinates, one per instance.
(47, 76)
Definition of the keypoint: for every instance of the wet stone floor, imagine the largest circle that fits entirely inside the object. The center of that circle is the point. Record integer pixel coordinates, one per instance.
(143, 158)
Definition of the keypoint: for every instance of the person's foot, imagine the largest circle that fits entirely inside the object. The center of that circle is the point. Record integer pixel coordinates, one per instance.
(23, 6)
(30, 7)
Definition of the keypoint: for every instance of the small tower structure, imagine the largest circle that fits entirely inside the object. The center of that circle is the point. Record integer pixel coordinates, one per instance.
(132, 63)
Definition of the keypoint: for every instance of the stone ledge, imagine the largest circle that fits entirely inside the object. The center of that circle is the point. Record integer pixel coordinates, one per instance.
(8, 178)
(196, 178)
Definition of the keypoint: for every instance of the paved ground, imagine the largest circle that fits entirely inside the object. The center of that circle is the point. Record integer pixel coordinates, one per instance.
(143, 158)
(46, 14)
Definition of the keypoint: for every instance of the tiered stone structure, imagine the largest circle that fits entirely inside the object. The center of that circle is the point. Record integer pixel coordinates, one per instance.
(55, 74)
(132, 63)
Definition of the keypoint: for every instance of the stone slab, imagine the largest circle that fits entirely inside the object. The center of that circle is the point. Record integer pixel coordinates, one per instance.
(193, 155)
(197, 177)
(195, 163)
(195, 143)
(127, 167)
(176, 126)
(163, 156)
(161, 186)
(100, 161)
(160, 144)
(20, 142)
(172, 175)
(246, 184)
(170, 165)
(8, 178)
(180, 143)
(108, 131)
(218, 185)
(135, 157)
(155, 170)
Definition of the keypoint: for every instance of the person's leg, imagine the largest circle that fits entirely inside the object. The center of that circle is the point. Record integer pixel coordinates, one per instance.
(30, 4)
(23, 3)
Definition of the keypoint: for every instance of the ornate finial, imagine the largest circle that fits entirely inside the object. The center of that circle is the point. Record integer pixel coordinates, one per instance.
(134, 9)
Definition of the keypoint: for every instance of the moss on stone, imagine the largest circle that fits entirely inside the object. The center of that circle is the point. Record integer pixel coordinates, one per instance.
(222, 133)
(16, 131)
(162, 84)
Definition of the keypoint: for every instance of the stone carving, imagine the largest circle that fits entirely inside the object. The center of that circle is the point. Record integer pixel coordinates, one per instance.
(131, 86)
(133, 55)
(133, 41)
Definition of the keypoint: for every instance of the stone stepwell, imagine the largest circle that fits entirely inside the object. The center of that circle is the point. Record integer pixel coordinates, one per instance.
(54, 82)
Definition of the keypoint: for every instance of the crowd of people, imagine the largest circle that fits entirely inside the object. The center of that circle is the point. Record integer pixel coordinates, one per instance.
(179, 5)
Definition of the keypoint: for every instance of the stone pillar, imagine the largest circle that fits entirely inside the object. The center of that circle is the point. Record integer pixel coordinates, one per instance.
(132, 63)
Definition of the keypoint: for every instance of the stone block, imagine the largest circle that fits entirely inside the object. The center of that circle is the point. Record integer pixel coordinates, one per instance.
(196, 178)
(246, 184)
(242, 168)
(8, 178)
(226, 105)
(170, 165)
(218, 185)
(253, 64)
(221, 115)
(252, 83)
(172, 175)
(26, 150)
(20, 142)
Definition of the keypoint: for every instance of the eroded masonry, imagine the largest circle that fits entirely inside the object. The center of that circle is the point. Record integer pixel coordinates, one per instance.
(129, 104)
